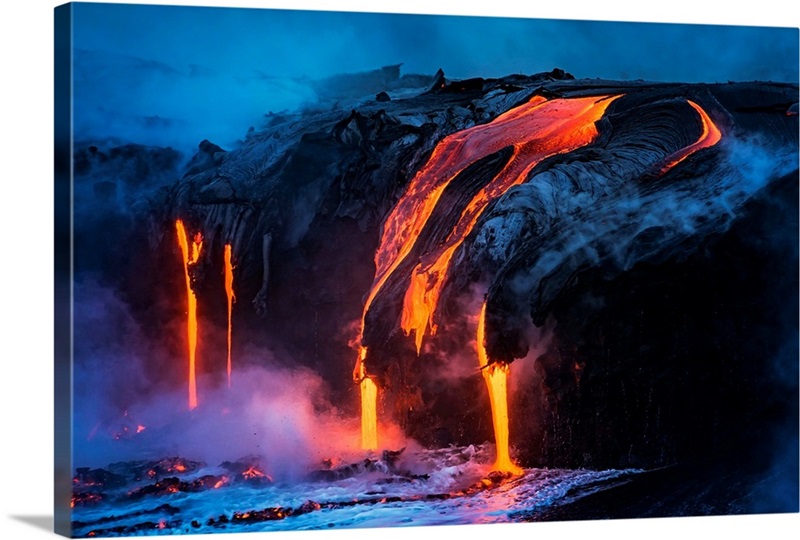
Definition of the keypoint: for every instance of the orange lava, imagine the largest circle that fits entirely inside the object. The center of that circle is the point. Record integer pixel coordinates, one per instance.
(710, 136)
(190, 257)
(369, 405)
(253, 472)
(541, 130)
(536, 130)
(449, 158)
(495, 375)
(231, 300)
(221, 482)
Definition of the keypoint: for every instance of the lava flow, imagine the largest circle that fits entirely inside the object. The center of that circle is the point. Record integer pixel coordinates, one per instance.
(551, 127)
(231, 299)
(536, 130)
(495, 375)
(190, 257)
(710, 136)
(369, 406)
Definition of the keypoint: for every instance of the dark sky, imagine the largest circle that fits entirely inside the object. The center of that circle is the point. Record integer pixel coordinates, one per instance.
(176, 75)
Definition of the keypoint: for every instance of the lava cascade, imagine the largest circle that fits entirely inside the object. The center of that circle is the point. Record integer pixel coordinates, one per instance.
(191, 254)
(495, 374)
(231, 299)
(536, 130)
(369, 405)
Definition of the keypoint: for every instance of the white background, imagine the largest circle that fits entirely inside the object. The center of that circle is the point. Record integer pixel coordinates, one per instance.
(26, 262)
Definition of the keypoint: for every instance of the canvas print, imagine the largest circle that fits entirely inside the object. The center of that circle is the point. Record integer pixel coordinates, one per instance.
(325, 270)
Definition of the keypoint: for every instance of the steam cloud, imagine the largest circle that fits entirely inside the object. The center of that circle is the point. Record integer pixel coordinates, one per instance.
(280, 414)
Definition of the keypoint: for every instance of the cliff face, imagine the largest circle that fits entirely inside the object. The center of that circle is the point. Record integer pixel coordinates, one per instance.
(643, 284)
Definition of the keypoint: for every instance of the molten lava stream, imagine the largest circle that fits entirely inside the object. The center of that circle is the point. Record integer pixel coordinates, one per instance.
(231, 299)
(190, 257)
(537, 130)
(369, 405)
(710, 136)
(495, 376)
(450, 156)
(550, 128)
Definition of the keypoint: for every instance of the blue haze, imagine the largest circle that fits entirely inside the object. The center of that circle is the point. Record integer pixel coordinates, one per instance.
(172, 75)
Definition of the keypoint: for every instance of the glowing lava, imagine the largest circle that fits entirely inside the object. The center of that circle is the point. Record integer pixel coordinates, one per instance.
(495, 375)
(231, 300)
(544, 129)
(190, 257)
(535, 131)
(369, 405)
(221, 482)
(710, 136)
(253, 473)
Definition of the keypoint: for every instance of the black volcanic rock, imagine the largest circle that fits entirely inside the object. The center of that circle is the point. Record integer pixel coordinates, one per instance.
(208, 155)
(438, 82)
(662, 293)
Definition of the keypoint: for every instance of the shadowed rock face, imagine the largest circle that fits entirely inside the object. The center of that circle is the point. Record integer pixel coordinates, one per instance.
(608, 206)
(659, 288)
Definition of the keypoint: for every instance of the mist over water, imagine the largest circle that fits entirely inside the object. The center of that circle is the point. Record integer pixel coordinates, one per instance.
(125, 410)
(174, 76)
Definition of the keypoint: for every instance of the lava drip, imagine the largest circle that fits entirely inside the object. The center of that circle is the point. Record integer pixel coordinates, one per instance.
(369, 405)
(710, 136)
(190, 257)
(535, 130)
(231, 299)
(495, 374)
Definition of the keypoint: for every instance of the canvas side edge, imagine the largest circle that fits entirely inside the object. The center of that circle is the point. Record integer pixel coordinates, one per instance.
(62, 214)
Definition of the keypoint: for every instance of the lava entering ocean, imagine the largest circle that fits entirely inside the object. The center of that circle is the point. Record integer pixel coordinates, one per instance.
(510, 209)
(231, 299)
(190, 258)
(495, 375)
(449, 487)
(536, 130)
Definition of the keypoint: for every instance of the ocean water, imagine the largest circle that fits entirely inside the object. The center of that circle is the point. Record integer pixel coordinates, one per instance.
(429, 487)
